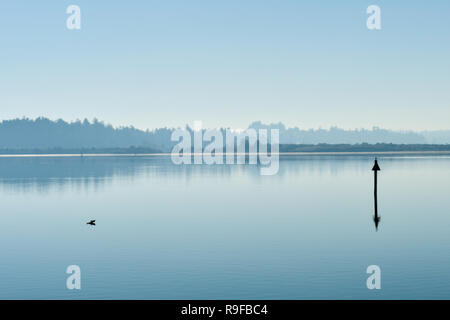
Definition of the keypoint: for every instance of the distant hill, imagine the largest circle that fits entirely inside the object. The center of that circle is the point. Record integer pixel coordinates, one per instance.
(44, 135)
(365, 147)
(336, 135)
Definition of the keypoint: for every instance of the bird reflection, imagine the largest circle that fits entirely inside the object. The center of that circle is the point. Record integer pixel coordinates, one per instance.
(92, 223)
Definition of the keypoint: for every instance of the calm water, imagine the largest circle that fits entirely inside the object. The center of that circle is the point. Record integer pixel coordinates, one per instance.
(213, 232)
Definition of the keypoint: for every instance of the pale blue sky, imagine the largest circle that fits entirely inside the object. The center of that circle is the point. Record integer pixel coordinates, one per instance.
(228, 62)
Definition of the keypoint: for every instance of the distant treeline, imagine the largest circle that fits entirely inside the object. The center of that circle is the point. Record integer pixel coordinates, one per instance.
(364, 147)
(45, 134)
(42, 135)
(336, 135)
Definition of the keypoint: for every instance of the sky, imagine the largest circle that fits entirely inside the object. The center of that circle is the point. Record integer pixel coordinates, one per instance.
(227, 63)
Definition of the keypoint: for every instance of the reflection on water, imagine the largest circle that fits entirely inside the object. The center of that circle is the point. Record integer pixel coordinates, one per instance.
(93, 173)
(223, 231)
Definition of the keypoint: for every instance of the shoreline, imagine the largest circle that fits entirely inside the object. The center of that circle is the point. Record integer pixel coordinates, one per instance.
(326, 153)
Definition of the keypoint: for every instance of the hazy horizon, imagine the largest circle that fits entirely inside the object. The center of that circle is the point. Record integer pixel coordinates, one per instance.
(206, 126)
(45, 133)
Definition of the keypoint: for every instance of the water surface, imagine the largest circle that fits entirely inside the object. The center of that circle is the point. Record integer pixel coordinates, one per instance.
(218, 232)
